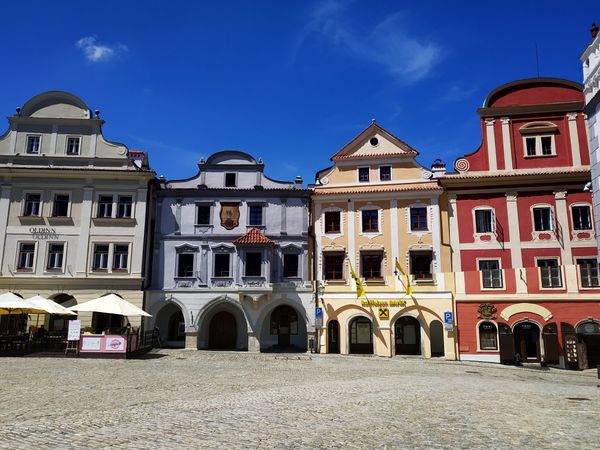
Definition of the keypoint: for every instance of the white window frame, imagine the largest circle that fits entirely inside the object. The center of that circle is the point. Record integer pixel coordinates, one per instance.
(61, 269)
(492, 218)
(479, 349)
(41, 206)
(296, 252)
(552, 217)
(113, 211)
(118, 201)
(324, 231)
(54, 194)
(214, 266)
(538, 145)
(358, 174)
(481, 285)
(194, 262)
(262, 214)
(409, 218)
(18, 257)
(379, 171)
(80, 138)
(580, 204)
(128, 261)
(539, 271)
(210, 218)
(581, 286)
(108, 258)
(370, 207)
(39, 136)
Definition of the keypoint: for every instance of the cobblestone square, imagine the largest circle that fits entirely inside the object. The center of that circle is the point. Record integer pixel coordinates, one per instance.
(189, 399)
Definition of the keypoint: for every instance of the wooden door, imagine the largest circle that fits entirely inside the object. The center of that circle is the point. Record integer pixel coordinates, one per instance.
(408, 336)
(551, 346)
(222, 331)
(333, 337)
(507, 344)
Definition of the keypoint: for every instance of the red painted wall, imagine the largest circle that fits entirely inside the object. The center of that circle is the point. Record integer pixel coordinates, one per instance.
(465, 205)
(524, 204)
(537, 95)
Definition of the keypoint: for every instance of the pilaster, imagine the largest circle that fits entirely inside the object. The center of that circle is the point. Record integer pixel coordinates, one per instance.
(81, 263)
(454, 237)
(574, 139)
(5, 192)
(506, 143)
(491, 144)
(395, 240)
(562, 221)
(436, 243)
(53, 140)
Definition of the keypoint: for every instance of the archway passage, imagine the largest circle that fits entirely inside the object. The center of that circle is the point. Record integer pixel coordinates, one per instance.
(333, 336)
(588, 334)
(527, 341)
(171, 326)
(283, 330)
(222, 334)
(361, 336)
(436, 336)
(60, 324)
(408, 336)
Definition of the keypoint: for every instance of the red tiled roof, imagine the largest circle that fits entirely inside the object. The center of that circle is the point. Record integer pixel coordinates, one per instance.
(253, 237)
(521, 172)
(378, 189)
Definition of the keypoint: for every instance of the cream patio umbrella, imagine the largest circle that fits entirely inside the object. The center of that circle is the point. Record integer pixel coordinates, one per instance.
(110, 304)
(49, 306)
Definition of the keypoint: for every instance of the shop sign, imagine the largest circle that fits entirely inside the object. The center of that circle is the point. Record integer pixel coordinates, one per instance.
(91, 343)
(114, 344)
(44, 233)
(383, 303)
(74, 332)
(384, 313)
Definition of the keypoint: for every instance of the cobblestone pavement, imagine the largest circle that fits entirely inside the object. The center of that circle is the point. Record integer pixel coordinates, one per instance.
(187, 399)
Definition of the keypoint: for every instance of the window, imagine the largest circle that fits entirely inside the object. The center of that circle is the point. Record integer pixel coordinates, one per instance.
(420, 265)
(120, 257)
(543, 219)
(363, 174)
(73, 145)
(370, 264)
(549, 273)
(32, 204)
(488, 339)
(105, 206)
(333, 266)
(370, 220)
(582, 217)
(253, 264)
(185, 265)
(100, 261)
(290, 265)
(33, 145)
(332, 222)
(484, 221)
(26, 254)
(203, 214)
(222, 265)
(588, 269)
(539, 146)
(491, 273)
(56, 253)
(385, 173)
(418, 219)
(124, 206)
(230, 180)
(255, 215)
(60, 207)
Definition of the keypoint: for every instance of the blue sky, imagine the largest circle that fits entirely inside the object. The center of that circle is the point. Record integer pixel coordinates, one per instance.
(290, 82)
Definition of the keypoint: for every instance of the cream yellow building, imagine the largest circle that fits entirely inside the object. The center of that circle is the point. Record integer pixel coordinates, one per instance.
(374, 206)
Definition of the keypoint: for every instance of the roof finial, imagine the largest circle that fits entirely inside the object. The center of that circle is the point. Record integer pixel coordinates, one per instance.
(594, 30)
(372, 120)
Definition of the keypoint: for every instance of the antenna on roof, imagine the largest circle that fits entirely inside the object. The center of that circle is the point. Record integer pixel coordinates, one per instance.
(537, 60)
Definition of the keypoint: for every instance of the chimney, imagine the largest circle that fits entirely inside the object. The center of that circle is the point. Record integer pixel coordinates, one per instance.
(298, 182)
(438, 169)
(594, 30)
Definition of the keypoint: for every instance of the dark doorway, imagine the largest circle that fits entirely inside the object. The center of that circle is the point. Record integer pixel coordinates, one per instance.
(333, 337)
(59, 323)
(361, 336)
(108, 323)
(222, 333)
(436, 336)
(527, 341)
(588, 333)
(284, 323)
(507, 344)
(408, 336)
(551, 346)
(176, 328)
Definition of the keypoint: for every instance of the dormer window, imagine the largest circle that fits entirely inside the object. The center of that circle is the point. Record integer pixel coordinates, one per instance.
(363, 174)
(538, 139)
(230, 180)
(73, 144)
(33, 145)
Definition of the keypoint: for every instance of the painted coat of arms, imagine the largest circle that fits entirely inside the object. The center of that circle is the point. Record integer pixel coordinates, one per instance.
(487, 311)
(230, 215)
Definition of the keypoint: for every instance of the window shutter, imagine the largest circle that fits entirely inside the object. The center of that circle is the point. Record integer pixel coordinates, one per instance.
(552, 227)
(493, 220)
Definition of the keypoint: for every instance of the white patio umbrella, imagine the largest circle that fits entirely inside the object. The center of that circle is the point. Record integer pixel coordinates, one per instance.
(13, 304)
(110, 304)
(49, 306)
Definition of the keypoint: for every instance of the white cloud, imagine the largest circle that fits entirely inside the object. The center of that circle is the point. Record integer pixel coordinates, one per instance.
(388, 44)
(96, 52)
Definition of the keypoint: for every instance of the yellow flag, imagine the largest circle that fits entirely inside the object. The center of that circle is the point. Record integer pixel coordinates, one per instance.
(409, 290)
(360, 289)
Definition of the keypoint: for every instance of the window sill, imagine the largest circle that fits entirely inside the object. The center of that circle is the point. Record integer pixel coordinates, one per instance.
(256, 226)
(487, 351)
(120, 271)
(375, 281)
(184, 278)
(31, 220)
(539, 156)
(99, 271)
(336, 282)
(25, 270)
(114, 221)
(589, 288)
(203, 225)
(60, 220)
(501, 288)
(551, 288)
(54, 271)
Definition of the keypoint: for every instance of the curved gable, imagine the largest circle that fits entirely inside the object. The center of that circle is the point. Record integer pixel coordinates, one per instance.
(56, 104)
(534, 91)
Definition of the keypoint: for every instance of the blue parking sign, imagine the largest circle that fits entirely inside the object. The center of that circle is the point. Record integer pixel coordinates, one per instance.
(448, 317)
(318, 313)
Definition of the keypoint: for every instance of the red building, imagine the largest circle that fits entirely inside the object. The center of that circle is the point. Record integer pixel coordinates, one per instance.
(522, 231)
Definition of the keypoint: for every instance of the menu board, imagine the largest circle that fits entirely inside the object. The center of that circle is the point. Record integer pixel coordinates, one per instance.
(74, 332)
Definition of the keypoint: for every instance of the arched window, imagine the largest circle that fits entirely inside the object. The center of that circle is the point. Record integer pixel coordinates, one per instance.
(488, 336)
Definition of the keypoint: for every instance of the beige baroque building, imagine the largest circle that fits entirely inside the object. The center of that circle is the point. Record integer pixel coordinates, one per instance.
(72, 209)
(374, 206)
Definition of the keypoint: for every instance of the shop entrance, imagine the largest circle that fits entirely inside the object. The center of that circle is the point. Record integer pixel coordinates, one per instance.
(436, 331)
(361, 336)
(551, 346)
(333, 337)
(527, 341)
(222, 334)
(588, 334)
(284, 323)
(408, 336)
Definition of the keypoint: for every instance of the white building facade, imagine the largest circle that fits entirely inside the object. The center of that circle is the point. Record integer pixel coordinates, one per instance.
(591, 81)
(230, 259)
(72, 209)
